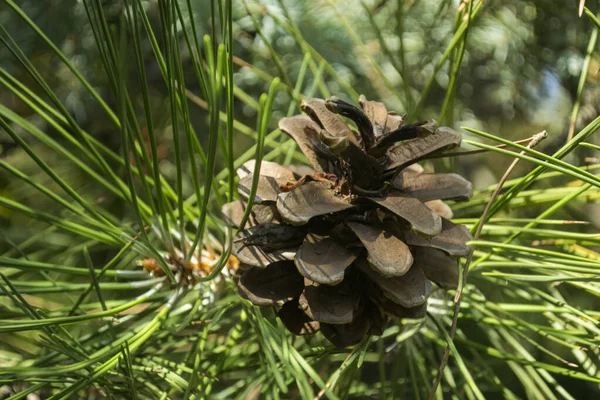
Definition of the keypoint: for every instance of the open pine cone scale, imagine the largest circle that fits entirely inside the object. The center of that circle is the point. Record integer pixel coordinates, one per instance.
(361, 236)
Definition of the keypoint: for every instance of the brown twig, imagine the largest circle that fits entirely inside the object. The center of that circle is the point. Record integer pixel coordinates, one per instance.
(195, 99)
(535, 139)
(471, 152)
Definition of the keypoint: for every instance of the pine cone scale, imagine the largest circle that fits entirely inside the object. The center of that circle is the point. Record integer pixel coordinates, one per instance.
(410, 209)
(323, 260)
(329, 121)
(281, 174)
(437, 266)
(274, 285)
(429, 142)
(296, 320)
(451, 239)
(267, 189)
(312, 199)
(427, 187)
(377, 114)
(305, 133)
(409, 290)
(330, 304)
(387, 254)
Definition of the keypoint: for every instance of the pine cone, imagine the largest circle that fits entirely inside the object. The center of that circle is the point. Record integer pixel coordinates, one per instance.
(358, 239)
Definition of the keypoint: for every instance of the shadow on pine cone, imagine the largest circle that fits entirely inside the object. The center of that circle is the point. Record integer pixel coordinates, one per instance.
(358, 238)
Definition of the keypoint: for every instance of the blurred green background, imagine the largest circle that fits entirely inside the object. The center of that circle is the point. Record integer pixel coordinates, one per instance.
(519, 75)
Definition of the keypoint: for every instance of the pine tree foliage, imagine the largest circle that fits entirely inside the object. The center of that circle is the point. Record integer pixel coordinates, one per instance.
(116, 273)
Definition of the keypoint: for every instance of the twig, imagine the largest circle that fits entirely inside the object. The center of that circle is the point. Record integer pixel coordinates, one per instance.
(196, 99)
(535, 139)
(471, 152)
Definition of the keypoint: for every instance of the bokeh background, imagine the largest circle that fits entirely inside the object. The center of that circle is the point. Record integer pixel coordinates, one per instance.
(519, 74)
